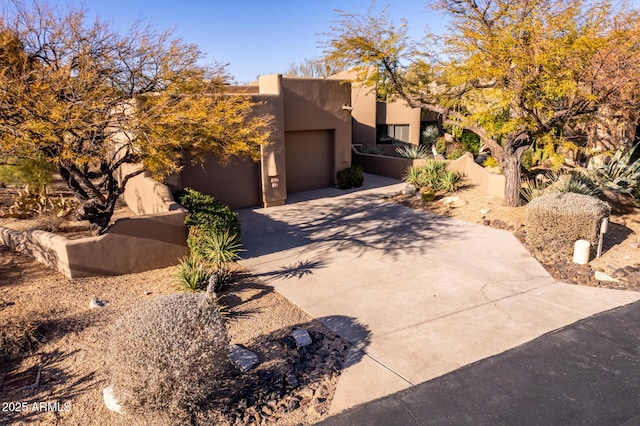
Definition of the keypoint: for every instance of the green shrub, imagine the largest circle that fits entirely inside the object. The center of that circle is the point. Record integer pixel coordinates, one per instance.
(193, 274)
(470, 142)
(36, 173)
(167, 355)
(351, 177)
(556, 221)
(433, 173)
(207, 216)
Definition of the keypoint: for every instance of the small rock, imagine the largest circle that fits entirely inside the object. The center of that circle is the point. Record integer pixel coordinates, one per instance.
(289, 342)
(601, 276)
(486, 222)
(110, 400)
(147, 293)
(453, 201)
(242, 358)
(302, 338)
(409, 189)
(484, 211)
(292, 380)
(97, 303)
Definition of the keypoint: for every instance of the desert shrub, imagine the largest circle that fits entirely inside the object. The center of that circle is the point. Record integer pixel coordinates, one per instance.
(619, 174)
(17, 339)
(415, 152)
(490, 162)
(168, 354)
(193, 274)
(470, 142)
(36, 173)
(433, 173)
(207, 216)
(556, 221)
(351, 177)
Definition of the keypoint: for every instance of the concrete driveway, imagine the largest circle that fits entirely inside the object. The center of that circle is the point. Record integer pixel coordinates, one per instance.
(417, 295)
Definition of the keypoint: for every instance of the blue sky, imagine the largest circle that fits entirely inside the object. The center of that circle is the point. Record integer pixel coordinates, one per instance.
(256, 37)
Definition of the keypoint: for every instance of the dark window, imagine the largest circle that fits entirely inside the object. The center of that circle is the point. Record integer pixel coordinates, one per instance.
(389, 133)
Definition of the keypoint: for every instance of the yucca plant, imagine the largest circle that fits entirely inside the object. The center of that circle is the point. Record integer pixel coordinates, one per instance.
(221, 248)
(415, 152)
(619, 174)
(449, 181)
(193, 274)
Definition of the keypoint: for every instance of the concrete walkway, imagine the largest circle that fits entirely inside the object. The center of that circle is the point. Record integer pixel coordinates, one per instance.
(417, 295)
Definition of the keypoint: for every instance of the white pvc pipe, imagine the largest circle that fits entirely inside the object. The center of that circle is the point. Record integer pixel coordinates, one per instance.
(581, 252)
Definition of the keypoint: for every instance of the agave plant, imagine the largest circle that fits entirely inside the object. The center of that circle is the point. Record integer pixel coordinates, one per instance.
(571, 181)
(619, 174)
(415, 152)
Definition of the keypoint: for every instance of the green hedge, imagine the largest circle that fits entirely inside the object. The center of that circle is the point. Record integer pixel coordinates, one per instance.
(207, 216)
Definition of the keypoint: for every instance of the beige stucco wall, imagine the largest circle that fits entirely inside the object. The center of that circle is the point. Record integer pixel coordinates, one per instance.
(398, 112)
(489, 183)
(318, 104)
(155, 239)
(383, 165)
(294, 104)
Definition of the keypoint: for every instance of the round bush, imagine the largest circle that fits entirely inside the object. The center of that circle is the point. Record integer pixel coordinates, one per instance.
(168, 354)
(556, 221)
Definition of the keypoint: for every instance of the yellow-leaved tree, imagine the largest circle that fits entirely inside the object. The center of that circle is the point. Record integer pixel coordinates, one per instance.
(511, 71)
(92, 99)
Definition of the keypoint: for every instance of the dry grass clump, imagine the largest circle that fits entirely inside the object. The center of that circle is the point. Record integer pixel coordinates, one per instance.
(17, 339)
(167, 355)
(556, 221)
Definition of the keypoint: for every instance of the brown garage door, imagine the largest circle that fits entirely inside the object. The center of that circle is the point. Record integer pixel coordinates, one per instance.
(237, 184)
(309, 160)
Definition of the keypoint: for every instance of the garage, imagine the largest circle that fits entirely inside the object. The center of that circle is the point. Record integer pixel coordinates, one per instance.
(236, 184)
(309, 160)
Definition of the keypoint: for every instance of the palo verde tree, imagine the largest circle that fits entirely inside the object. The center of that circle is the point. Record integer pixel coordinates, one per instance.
(511, 71)
(91, 99)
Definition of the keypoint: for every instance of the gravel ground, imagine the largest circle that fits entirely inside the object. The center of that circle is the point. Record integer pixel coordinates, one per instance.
(291, 386)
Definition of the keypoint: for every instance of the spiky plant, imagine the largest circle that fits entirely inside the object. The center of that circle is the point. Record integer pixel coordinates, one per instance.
(619, 174)
(221, 248)
(193, 274)
(414, 152)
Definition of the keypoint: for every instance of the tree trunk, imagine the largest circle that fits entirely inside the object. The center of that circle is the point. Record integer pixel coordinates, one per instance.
(511, 167)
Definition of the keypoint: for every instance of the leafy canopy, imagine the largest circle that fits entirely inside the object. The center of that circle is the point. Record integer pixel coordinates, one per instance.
(92, 99)
(511, 71)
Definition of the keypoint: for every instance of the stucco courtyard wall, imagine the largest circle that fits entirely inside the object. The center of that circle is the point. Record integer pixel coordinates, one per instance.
(395, 167)
(154, 239)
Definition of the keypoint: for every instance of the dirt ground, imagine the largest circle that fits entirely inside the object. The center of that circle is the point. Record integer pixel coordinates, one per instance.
(69, 338)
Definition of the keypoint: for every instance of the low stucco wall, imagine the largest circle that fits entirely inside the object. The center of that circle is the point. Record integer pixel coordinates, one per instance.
(489, 183)
(383, 165)
(394, 167)
(130, 245)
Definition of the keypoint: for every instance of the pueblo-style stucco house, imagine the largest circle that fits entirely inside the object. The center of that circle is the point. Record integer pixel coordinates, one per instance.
(377, 122)
(310, 143)
(315, 122)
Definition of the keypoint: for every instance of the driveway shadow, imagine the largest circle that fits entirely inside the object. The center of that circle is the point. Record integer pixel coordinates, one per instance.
(356, 223)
